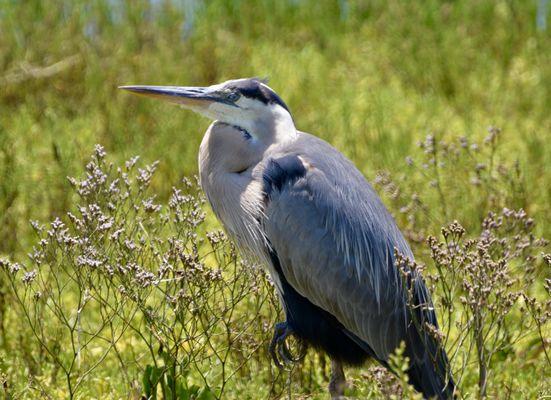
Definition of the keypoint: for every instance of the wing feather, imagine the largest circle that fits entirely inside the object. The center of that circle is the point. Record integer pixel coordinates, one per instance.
(335, 244)
(336, 240)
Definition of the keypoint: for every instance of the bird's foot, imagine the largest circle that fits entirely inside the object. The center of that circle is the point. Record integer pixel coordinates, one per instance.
(279, 348)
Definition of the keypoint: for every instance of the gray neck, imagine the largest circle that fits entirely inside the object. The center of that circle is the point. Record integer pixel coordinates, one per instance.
(235, 197)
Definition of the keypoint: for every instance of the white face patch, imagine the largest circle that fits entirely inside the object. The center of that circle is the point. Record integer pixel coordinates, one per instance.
(232, 115)
(265, 122)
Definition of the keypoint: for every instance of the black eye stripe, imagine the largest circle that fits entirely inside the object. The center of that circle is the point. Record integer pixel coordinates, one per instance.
(254, 89)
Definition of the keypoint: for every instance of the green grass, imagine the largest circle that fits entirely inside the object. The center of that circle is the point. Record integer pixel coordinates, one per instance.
(373, 80)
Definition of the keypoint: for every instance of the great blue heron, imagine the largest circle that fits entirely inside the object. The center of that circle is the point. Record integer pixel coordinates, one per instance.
(296, 203)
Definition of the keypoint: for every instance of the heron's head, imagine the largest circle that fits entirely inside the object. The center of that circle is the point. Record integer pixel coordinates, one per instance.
(248, 104)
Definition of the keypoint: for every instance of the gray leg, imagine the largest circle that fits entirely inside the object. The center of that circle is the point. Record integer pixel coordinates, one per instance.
(338, 381)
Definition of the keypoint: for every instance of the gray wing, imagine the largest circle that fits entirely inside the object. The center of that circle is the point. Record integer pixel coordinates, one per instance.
(335, 242)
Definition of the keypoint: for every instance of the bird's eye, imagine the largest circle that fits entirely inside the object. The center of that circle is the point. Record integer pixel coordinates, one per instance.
(233, 96)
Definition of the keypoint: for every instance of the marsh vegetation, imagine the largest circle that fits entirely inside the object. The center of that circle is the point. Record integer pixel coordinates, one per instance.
(115, 279)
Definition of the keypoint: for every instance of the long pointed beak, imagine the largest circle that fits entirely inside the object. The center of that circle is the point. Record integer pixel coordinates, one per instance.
(192, 97)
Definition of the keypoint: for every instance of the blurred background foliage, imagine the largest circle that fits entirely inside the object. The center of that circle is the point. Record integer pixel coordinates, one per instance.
(373, 78)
